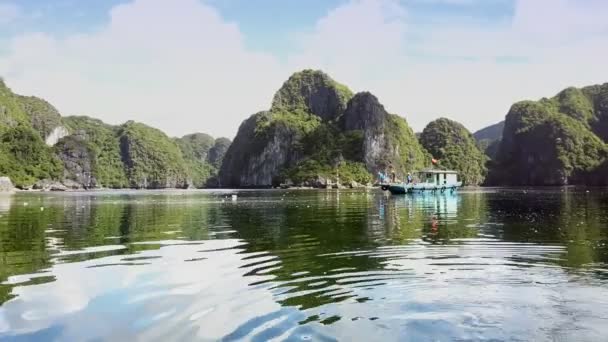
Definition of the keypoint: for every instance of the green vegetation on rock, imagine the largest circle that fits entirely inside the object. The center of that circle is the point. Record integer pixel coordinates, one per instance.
(151, 158)
(43, 116)
(316, 129)
(314, 92)
(455, 147)
(555, 141)
(11, 111)
(95, 154)
(25, 158)
(203, 156)
(102, 139)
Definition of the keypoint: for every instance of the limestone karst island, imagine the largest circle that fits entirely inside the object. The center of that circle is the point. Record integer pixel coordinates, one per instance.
(316, 133)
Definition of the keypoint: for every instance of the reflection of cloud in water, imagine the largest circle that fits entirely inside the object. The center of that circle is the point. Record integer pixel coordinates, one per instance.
(184, 296)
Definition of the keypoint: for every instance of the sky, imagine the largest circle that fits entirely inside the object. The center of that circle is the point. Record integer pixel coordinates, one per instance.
(205, 65)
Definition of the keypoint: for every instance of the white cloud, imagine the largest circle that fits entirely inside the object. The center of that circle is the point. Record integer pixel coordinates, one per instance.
(8, 13)
(181, 67)
(174, 65)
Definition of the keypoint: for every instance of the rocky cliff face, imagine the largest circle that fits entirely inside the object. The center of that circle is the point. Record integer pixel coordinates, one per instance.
(152, 160)
(87, 153)
(386, 138)
(257, 155)
(456, 149)
(203, 156)
(555, 141)
(6, 186)
(317, 129)
(79, 161)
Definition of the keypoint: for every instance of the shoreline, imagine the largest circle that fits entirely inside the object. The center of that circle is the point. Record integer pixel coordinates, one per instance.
(465, 188)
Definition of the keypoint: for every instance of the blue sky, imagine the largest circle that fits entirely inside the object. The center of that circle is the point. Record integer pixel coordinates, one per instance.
(205, 65)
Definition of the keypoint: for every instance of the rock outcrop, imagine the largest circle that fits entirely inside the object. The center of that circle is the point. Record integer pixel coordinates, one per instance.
(312, 92)
(56, 134)
(40, 148)
(152, 160)
(455, 148)
(6, 186)
(79, 160)
(386, 138)
(316, 129)
(203, 156)
(555, 141)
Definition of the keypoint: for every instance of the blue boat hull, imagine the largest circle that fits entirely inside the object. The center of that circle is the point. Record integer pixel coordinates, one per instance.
(401, 189)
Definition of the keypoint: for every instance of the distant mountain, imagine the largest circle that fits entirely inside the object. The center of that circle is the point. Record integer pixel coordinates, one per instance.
(40, 148)
(492, 132)
(489, 138)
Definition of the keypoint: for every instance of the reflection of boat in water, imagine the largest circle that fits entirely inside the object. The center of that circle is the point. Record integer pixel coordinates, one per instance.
(431, 180)
(445, 204)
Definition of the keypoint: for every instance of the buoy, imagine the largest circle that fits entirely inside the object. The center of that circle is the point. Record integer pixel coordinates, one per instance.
(41, 208)
(25, 203)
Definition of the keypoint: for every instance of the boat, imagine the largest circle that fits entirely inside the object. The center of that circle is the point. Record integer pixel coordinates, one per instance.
(428, 180)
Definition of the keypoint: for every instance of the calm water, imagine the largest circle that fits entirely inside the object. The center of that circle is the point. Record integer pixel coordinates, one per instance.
(304, 265)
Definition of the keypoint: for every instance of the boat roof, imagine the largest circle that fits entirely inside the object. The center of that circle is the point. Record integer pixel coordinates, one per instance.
(438, 171)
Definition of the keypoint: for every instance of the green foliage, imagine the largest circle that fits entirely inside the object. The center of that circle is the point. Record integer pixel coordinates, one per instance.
(403, 140)
(553, 141)
(103, 142)
(152, 159)
(313, 92)
(25, 158)
(11, 111)
(43, 116)
(455, 146)
(195, 150)
(298, 121)
(218, 151)
(345, 172)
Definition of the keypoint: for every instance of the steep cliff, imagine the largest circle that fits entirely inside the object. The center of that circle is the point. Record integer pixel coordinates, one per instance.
(98, 150)
(386, 138)
(152, 160)
(456, 149)
(87, 153)
(555, 141)
(218, 151)
(203, 155)
(24, 157)
(317, 130)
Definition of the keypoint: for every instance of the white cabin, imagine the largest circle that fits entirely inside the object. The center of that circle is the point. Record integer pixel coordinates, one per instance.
(438, 177)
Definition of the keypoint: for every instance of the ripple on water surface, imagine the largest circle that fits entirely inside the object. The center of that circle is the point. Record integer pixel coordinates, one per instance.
(302, 265)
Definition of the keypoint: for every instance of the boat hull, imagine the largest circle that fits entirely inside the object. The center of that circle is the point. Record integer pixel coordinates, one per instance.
(401, 189)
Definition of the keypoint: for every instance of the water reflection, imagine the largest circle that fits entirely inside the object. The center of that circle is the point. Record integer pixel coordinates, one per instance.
(352, 265)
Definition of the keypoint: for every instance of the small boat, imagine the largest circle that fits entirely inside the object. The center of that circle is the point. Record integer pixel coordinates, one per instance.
(429, 180)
